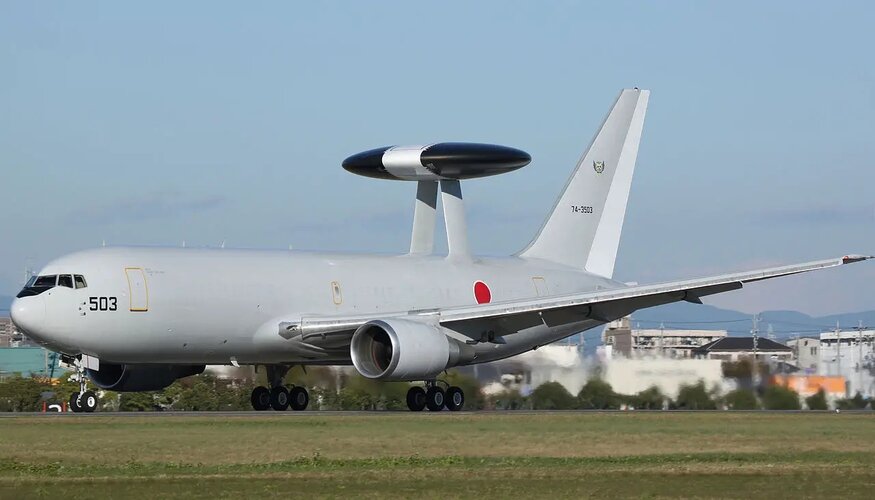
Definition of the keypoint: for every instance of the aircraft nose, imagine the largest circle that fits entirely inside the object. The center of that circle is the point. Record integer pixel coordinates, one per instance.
(29, 314)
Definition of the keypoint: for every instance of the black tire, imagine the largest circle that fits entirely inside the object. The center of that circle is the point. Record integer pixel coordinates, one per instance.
(299, 398)
(88, 401)
(279, 398)
(75, 403)
(260, 398)
(435, 398)
(416, 398)
(455, 399)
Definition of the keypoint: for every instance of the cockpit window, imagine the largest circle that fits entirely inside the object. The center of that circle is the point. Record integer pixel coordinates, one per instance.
(45, 281)
(37, 285)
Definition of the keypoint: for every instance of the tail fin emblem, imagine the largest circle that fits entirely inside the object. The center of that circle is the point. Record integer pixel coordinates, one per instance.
(598, 166)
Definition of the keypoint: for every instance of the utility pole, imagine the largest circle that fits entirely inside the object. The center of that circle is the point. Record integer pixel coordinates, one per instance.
(839, 354)
(661, 339)
(755, 372)
(860, 356)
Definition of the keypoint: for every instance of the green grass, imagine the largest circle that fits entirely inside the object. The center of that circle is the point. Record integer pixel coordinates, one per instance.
(736, 455)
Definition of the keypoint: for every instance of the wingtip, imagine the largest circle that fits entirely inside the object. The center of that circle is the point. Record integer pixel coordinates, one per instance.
(850, 259)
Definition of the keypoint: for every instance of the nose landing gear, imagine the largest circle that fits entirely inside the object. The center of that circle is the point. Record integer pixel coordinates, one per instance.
(435, 398)
(84, 401)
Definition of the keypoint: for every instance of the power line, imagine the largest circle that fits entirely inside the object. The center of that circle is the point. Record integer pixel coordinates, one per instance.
(791, 323)
(636, 320)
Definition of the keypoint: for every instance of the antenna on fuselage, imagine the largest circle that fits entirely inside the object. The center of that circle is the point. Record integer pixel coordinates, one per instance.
(444, 164)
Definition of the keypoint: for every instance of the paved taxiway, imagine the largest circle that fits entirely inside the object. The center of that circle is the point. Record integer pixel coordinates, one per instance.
(377, 413)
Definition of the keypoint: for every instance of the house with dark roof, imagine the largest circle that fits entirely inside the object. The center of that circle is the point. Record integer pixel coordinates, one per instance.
(735, 348)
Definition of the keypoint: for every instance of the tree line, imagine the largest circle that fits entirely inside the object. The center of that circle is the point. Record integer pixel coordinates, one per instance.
(332, 391)
(597, 394)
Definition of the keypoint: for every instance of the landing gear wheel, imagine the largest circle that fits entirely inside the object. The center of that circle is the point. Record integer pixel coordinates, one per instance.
(76, 403)
(88, 402)
(416, 398)
(455, 399)
(260, 398)
(279, 398)
(435, 398)
(299, 398)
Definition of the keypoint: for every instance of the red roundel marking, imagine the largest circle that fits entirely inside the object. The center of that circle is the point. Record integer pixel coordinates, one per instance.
(482, 293)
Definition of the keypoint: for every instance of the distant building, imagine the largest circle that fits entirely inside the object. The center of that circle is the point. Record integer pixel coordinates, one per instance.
(620, 338)
(807, 385)
(806, 352)
(565, 364)
(631, 376)
(9, 335)
(850, 354)
(28, 361)
(737, 348)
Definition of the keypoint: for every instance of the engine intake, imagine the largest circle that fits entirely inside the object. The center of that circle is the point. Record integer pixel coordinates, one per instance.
(401, 349)
(135, 378)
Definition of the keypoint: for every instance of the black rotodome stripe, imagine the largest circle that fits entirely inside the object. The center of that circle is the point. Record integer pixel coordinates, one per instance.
(369, 164)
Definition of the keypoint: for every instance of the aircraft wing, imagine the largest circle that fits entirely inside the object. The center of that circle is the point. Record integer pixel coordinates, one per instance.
(503, 318)
(608, 305)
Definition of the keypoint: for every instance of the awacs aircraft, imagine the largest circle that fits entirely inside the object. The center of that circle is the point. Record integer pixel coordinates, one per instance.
(136, 319)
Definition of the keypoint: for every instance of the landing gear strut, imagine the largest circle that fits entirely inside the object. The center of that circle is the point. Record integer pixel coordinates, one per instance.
(435, 398)
(278, 397)
(84, 401)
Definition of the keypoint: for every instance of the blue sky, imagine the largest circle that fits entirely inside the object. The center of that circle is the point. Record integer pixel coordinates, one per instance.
(210, 122)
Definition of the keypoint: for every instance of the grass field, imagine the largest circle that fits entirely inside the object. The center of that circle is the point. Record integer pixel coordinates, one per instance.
(720, 454)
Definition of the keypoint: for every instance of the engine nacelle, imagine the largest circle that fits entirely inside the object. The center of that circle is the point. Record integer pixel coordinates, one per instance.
(402, 349)
(135, 378)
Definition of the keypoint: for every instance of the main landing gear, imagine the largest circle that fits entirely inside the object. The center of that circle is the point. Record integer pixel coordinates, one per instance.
(278, 397)
(84, 401)
(435, 398)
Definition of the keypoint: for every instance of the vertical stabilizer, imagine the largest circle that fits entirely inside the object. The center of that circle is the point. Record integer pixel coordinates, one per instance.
(583, 230)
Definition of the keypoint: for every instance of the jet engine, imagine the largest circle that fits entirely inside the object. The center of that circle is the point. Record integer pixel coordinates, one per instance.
(402, 349)
(135, 378)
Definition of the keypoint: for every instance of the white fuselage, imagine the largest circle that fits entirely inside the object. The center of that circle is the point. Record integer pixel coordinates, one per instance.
(220, 306)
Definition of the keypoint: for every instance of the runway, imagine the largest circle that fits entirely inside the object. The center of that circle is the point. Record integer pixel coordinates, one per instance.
(423, 414)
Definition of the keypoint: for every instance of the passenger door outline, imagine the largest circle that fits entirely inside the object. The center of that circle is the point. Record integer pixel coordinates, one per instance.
(138, 289)
(336, 293)
(540, 286)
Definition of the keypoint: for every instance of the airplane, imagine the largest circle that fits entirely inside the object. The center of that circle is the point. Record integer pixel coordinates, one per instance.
(137, 319)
